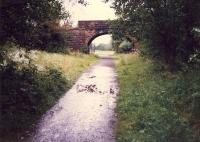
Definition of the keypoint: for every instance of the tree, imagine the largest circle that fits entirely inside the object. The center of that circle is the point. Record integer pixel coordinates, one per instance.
(23, 21)
(165, 25)
(122, 30)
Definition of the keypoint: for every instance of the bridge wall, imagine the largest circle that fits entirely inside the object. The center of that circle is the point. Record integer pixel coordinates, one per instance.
(86, 31)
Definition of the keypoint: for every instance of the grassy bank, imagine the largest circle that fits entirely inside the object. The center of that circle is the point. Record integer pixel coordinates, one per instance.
(31, 83)
(156, 106)
(71, 65)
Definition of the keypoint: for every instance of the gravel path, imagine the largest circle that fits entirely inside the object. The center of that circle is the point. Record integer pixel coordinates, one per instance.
(86, 112)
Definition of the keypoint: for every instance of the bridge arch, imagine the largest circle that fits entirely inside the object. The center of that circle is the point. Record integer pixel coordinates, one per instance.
(83, 35)
(86, 32)
(95, 36)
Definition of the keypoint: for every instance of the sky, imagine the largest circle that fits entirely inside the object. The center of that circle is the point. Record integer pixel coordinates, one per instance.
(95, 10)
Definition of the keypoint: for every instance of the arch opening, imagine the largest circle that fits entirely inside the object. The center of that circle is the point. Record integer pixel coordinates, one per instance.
(101, 44)
(96, 36)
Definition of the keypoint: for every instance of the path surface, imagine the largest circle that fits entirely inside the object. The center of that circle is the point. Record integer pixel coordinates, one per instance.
(86, 112)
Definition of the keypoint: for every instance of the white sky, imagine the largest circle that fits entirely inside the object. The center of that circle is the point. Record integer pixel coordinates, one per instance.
(106, 39)
(95, 10)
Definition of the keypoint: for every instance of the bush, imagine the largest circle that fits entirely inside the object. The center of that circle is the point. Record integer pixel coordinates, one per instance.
(53, 42)
(125, 47)
(84, 50)
(27, 93)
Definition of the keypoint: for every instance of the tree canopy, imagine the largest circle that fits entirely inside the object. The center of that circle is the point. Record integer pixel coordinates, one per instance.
(23, 21)
(165, 25)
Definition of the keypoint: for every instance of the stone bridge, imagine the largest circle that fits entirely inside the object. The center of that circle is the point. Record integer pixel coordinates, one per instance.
(86, 32)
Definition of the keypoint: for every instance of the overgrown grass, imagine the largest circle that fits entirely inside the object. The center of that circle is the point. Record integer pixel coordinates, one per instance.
(156, 106)
(71, 65)
(31, 83)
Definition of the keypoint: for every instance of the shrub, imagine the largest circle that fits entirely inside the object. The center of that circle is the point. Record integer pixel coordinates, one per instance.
(54, 42)
(26, 93)
(125, 47)
(84, 50)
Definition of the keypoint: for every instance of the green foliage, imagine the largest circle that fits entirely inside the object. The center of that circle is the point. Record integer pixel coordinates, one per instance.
(115, 45)
(55, 42)
(125, 47)
(155, 106)
(166, 26)
(24, 21)
(117, 29)
(104, 47)
(84, 50)
(27, 93)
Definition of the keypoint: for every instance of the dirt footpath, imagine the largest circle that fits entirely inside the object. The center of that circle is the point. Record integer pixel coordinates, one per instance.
(86, 111)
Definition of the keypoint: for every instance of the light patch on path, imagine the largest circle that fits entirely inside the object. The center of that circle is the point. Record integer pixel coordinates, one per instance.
(86, 112)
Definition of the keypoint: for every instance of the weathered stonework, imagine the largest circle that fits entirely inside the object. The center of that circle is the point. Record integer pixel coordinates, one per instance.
(86, 32)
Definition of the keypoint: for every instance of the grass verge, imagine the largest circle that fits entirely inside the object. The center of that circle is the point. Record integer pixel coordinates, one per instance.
(155, 106)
